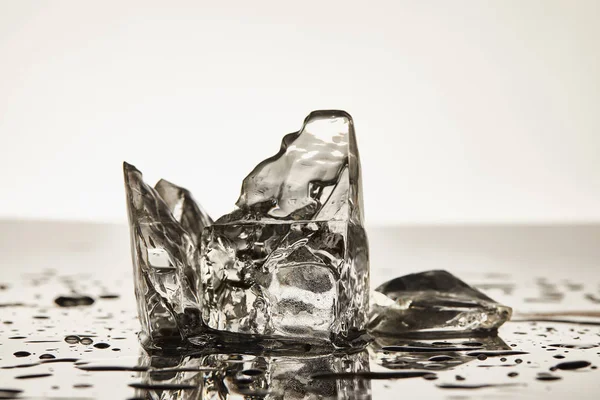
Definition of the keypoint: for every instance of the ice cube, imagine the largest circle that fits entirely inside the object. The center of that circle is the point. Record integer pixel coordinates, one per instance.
(292, 260)
(433, 301)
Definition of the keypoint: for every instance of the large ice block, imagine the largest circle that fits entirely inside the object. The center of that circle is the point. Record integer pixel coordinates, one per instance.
(292, 260)
(289, 263)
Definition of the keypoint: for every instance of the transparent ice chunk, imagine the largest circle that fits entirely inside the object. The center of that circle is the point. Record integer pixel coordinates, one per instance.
(292, 259)
(164, 232)
(433, 301)
(290, 262)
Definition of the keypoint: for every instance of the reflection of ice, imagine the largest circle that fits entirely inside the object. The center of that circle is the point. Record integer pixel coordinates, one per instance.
(433, 354)
(244, 376)
(292, 375)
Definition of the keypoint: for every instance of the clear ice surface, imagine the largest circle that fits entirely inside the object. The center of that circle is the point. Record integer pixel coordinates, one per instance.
(165, 226)
(433, 301)
(291, 261)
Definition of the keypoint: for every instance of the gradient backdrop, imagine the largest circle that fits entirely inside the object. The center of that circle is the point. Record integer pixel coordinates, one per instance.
(466, 111)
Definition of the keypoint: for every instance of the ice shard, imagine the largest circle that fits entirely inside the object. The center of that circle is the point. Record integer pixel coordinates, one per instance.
(292, 260)
(165, 226)
(433, 301)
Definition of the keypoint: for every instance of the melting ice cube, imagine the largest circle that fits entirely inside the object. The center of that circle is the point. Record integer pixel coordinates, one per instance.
(290, 262)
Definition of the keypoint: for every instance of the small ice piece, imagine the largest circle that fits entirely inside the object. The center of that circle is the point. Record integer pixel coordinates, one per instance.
(292, 260)
(433, 301)
(165, 225)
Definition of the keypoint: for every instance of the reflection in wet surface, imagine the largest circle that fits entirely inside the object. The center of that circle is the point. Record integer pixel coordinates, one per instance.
(222, 375)
(90, 350)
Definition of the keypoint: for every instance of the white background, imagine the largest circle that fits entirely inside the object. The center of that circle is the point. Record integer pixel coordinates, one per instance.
(466, 111)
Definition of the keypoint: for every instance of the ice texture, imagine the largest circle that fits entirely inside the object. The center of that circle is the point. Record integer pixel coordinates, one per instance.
(165, 227)
(292, 260)
(290, 264)
(184, 209)
(433, 301)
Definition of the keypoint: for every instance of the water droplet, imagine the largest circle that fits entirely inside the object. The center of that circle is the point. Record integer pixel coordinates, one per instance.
(109, 296)
(32, 376)
(74, 301)
(253, 372)
(72, 339)
(441, 358)
(570, 365)
(544, 376)
(9, 393)
(82, 385)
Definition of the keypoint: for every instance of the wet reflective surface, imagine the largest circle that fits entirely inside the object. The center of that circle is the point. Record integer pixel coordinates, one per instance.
(68, 330)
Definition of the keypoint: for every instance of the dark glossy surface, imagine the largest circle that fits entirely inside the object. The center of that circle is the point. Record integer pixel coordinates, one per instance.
(91, 351)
